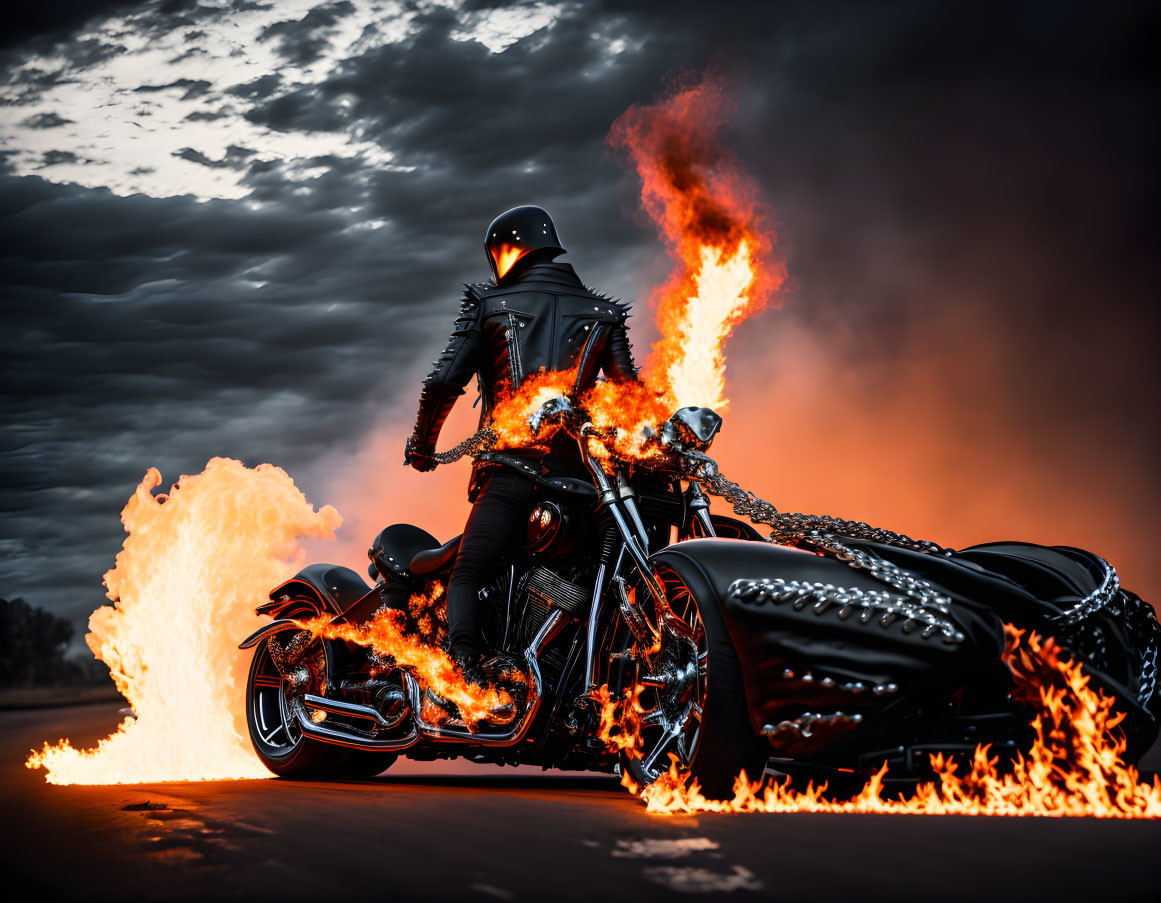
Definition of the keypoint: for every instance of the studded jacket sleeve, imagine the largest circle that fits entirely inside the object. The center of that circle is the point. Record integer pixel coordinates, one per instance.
(618, 361)
(459, 361)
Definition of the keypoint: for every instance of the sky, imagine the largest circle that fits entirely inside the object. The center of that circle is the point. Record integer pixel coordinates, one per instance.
(240, 228)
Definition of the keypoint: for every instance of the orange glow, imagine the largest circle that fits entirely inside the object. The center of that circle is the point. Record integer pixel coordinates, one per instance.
(620, 720)
(421, 655)
(623, 414)
(193, 567)
(1074, 767)
(716, 229)
(506, 257)
(429, 614)
(510, 415)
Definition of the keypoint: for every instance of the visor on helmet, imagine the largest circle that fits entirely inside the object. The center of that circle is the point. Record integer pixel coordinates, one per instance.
(516, 233)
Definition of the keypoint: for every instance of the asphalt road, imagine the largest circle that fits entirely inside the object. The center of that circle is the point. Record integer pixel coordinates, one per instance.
(438, 831)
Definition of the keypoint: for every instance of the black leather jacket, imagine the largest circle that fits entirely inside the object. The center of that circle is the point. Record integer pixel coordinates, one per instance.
(545, 318)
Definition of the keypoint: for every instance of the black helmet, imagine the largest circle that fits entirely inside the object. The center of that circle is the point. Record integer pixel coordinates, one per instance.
(516, 233)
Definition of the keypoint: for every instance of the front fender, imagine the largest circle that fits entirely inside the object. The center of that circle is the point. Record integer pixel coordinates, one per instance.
(796, 654)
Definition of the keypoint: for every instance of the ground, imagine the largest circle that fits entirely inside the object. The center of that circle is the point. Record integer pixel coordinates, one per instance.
(455, 831)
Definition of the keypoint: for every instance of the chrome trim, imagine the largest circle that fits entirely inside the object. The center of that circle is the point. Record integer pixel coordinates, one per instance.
(643, 632)
(591, 631)
(350, 709)
(639, 558)
(269, 630)
(548, 630)
(699, 505)
(610, 498)
(508, 609)
(340, 738)
(629, 501)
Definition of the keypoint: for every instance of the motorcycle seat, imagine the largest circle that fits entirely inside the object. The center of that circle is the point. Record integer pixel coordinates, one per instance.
(431, 560)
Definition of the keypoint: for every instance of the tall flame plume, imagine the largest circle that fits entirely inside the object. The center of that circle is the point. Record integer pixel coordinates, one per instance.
(195, 564)
(716, 228)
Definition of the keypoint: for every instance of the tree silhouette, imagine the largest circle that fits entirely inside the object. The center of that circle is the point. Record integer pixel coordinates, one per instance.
(33, 643)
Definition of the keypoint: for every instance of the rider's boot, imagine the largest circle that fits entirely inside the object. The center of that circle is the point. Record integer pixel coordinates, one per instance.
(467, 659)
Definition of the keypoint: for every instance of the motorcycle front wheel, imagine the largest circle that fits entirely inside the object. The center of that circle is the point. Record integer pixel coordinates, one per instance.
(694, 703)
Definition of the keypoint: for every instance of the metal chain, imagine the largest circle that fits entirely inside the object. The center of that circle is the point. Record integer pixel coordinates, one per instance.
(791, 528)
(1143, 625)
(881, 569)
(825, 534)
(1096, 600)
(481, 440)
(846, 600)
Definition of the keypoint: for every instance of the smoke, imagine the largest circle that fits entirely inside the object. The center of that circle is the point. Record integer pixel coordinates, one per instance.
(930, 440)
(371, 488)
(957, 359)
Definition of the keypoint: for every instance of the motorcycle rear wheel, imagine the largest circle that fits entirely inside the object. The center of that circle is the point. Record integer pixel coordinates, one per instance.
(274, 733)
(715, 741)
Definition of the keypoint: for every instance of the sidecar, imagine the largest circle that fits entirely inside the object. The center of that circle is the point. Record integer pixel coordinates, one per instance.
(841, 669)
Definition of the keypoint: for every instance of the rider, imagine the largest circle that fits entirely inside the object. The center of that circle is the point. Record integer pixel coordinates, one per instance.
(536, 315)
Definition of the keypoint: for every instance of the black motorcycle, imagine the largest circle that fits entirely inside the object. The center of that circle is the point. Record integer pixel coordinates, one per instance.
(822, 652)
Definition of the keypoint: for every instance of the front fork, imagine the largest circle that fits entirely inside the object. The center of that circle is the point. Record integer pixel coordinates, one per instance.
(621, 502)
(699, 505)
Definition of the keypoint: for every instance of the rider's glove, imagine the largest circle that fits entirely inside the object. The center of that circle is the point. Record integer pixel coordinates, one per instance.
(419, 458)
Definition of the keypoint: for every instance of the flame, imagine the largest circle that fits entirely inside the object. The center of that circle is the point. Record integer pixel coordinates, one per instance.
(429, 616)
(717, 231)
(1073, 768)
(624, 415)
(619, 726)
(422, 655)
(506, 257)
(185, 584)
(509, 418)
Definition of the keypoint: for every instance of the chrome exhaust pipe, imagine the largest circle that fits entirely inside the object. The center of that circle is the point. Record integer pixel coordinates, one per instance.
(342, 738)
(349, 709)
(548, 630)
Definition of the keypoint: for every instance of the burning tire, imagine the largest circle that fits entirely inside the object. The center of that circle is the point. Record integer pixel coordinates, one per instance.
(693, 704)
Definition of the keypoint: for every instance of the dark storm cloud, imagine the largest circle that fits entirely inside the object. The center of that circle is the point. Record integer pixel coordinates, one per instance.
(168, 331)
(234, 158)
(46, 121)
(301, 42)
(187, 88)
(57, 157)
(906, 147)
(50, 19)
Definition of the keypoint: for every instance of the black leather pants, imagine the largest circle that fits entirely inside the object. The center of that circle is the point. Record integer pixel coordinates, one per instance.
(496, 524)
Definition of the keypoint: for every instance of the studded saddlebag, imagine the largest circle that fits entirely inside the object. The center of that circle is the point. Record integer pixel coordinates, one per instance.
(1079, 602)
(816, 637)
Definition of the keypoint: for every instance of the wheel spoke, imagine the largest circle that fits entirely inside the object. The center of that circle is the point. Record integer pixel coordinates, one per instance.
(666, 738)
(652, 717)
(281, 729)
